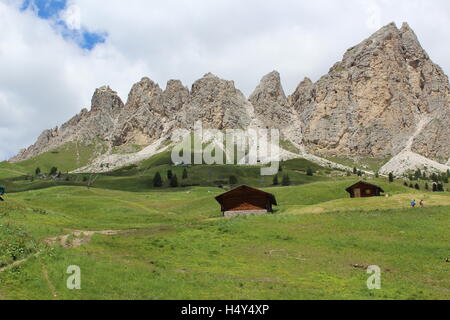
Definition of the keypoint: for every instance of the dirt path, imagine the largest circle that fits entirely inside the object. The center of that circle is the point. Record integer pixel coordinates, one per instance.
(78, 237)
(18, 262)
(71, 240)
(49, 283)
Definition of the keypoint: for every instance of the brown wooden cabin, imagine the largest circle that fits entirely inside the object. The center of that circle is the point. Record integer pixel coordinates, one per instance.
(364, 189)
(245, 200)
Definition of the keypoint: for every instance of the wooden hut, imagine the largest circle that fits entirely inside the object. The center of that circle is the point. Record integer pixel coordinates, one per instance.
(364, 189)
(245, 200)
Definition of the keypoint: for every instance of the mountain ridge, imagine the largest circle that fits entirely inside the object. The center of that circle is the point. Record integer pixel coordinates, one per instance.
(370, 104)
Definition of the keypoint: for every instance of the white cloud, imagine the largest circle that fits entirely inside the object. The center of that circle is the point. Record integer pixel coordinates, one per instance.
(44, 79)
(373, 21)
(72, 17)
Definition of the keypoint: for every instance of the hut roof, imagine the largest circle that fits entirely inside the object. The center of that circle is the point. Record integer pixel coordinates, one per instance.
(247, 188)
(366, 183)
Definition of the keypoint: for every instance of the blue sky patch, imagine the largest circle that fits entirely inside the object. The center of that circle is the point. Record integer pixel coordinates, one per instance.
(50, 9)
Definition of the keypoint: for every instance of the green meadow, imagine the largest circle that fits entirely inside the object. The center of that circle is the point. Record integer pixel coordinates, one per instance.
(134, 241)
(174, 244)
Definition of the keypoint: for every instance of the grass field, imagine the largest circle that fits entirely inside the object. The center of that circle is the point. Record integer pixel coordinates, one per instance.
(174, 244)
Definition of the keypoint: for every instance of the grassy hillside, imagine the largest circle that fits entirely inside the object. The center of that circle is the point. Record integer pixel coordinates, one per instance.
(139, 177)
(68, 157)
(174, 244)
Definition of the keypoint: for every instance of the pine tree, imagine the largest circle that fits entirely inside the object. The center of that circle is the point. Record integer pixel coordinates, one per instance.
(440, 187)
(355, 171)
(53, 171)
(391, 177)
(417, 186)
(185, 174)
(411, 186)
(427, 187)
(233, 180)
(405, 184)
(157, 180)
(286, 180)
(309, 172)
(174, 181)
(38, 171)
(417, 174)
(435, 188)
(360, 173)
(275, 180)
(169, 174)
(434, 177)
(377, 174)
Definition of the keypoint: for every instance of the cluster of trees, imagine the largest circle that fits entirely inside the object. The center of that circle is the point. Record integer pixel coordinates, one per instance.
(171, 178)
(285, 181)
(436, 187)
(52, 173)
(437, 180)
(422, 175)
(358, 172)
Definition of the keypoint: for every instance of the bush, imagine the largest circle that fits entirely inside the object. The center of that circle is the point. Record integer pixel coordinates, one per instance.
(309, 172)
(185, 174)
(233, 180)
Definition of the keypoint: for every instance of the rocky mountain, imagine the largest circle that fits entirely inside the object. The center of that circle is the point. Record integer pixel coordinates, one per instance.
(385, 99)
(372, 101)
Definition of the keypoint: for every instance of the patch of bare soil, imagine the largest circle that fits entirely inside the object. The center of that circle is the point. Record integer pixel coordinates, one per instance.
(78, 238)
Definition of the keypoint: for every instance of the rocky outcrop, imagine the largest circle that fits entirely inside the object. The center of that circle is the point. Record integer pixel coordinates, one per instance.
(218, 104)
(370, 103)
(270, 102)
(87, 127)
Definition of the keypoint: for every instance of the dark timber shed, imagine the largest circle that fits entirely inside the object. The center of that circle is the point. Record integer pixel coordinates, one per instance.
(245, 200)
(364, 189)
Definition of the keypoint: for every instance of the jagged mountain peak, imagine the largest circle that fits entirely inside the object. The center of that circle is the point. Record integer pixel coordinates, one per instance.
(384, 96)
(104, 98)
(373, 100)
(271, 86)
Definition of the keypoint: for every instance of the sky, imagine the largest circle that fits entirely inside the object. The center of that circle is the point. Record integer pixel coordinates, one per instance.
(54, 53)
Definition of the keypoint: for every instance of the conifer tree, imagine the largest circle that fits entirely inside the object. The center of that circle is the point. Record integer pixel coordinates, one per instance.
(157, 180)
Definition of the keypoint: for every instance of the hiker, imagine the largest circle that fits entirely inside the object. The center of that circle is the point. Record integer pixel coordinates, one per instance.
(413, 204)
(422, 203)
